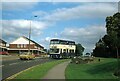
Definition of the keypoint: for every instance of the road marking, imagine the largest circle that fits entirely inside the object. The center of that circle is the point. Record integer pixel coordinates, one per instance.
(25, 61)
(28, 61)
(13, 63)
(1, 65)
(36, 60)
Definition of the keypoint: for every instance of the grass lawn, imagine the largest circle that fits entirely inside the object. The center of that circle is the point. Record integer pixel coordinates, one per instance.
(38, 71)
(94, 70)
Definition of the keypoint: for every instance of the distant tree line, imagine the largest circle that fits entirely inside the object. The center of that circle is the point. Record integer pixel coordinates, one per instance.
(109, 44)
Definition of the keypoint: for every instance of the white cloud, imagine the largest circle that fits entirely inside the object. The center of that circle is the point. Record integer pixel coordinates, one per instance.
(85, 0)
(18, 5)
(16, 28)
(24, 24)
(60, 1)
(26, 0)
(87, 10)
(87, 36)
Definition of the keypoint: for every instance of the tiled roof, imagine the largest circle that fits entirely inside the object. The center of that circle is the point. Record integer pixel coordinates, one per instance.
(33, 42)
(2, 41)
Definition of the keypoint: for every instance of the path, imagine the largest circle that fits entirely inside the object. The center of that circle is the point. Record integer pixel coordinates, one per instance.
(57, 72)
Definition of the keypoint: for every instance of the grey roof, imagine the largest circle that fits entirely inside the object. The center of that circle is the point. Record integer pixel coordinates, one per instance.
(33, 42)
(2, 41)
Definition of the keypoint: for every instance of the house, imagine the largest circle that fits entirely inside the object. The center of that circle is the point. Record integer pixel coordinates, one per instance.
(3, 45)
(21, 44)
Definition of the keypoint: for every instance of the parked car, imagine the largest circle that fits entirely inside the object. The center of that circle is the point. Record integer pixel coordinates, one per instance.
(4, 53)
(37, 55)
(26, 56)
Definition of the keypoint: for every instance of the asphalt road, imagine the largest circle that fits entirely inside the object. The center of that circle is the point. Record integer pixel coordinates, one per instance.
(10, 67)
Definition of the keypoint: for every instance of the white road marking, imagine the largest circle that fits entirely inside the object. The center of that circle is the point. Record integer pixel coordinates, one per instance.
(13, 63)
(28, 61)
(1, 65)
(20, 62)
(25, 61)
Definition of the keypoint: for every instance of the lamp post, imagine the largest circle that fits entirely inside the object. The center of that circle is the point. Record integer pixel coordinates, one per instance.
(30, 35)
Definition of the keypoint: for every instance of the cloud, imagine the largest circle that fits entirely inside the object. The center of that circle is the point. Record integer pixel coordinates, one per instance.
(55, 1)
(85, 0)
(24, 24)
(15, 28)
(26, 0)
(85, 10)
(87, 36)
(18, 5)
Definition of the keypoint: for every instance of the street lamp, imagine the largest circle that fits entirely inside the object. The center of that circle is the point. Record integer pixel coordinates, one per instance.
(30, 35)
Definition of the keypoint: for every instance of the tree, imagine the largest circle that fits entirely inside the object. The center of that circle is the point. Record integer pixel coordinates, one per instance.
(79, 49)
(110, 42)
(113, 30)
(100, 50)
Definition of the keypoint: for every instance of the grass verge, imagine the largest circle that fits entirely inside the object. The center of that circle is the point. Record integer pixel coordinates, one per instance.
(94, 70)
(38, 71)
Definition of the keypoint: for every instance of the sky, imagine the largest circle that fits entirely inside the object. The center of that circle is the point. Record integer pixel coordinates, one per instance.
(82, 22)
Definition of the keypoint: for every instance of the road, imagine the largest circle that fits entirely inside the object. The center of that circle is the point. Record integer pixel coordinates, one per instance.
(10, 67)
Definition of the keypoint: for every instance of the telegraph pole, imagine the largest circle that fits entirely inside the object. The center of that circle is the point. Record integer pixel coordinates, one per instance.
(29, 37)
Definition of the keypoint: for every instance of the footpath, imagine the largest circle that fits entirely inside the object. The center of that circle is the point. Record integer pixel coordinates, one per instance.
(57, 72)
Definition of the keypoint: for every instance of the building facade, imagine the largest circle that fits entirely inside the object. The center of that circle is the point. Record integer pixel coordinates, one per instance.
(3, 46)
(21, 44)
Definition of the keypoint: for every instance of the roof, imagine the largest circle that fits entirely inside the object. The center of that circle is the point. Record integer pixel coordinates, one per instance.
(33, 42)
(2, 41)
(62, 40)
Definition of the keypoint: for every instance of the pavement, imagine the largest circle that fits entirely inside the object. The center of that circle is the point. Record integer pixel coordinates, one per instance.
(57, 72)
(8, 57)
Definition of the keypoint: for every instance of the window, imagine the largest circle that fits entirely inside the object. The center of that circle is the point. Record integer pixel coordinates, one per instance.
(22, 45)
(67, 50)
(54, 50)
(54, 42)
(61, 51)
(64, 50)
(63, 42)
(18, 45)
(25, 45)
(71, 43)
(72, 51)
(35, 46)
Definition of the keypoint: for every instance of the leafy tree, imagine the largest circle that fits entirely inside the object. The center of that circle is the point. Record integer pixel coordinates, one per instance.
(113, 31)
(100, 50)
(110, 42)
(79, 49)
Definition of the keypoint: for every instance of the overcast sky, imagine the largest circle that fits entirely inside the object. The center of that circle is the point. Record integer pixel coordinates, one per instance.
(82, 22)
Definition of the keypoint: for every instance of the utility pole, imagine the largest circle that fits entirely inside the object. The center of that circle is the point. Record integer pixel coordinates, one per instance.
(29, 37)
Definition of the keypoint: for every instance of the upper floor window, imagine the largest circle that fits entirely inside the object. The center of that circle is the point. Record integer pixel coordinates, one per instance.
(18, 45)
(54, 42)
(25, 46)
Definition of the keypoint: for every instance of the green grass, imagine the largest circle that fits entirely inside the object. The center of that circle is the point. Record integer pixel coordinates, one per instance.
(39, 71)
(94, 70)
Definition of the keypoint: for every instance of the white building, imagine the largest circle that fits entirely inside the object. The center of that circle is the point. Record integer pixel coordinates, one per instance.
(21, 44)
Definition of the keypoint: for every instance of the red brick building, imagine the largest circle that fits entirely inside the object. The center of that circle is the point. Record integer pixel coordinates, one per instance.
(21, 44)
